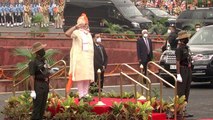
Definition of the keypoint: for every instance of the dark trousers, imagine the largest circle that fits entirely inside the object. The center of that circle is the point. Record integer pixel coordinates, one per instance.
(51, 18)
(183, 88)
(144, 63)
(144, 67)
(19, 18)
(2, 19)
(102, 78)
(9, 18)
(15, 18)
(39, 104)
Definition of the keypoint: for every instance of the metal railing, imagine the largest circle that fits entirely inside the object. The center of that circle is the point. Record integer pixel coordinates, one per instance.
(17, 76)
(165, 82)
(62, 70)
(148, 87)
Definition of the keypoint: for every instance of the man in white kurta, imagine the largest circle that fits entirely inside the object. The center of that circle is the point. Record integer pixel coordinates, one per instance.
(81, 56)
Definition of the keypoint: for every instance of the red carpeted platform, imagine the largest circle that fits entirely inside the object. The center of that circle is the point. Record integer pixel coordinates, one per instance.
(207, 119)
(195, 119)
(109, 101)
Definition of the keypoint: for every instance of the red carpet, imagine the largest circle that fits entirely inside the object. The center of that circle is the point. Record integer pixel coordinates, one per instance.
(109, 101)
(207, 119)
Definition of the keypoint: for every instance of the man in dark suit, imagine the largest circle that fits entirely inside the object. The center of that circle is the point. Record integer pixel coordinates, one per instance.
(144, 49)
(100, 58)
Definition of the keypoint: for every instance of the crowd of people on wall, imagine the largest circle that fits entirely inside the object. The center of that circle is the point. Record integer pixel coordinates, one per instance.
(22, 13)
(18, 14)
(174, 7)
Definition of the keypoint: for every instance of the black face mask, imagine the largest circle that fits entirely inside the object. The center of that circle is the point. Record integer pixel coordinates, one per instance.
(185, 41)
(41, 53)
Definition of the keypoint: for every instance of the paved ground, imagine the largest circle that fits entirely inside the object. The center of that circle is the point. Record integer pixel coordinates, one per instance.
(21, 29)
(4, 31)
(200, 103)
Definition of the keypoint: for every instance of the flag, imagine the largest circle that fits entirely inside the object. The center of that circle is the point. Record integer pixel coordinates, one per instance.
(69, 84)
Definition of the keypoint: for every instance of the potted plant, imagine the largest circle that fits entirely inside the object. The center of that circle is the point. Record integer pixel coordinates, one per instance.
(22, 67)
(117, 29)
(38, 31)
(18, 107)
(61, 108)
(145, 109)
(26, 53)
(158, 27)
(54, 104)
(164, 106)
(180, 106)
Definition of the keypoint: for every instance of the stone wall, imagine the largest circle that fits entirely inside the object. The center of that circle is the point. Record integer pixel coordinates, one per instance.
(119, 51)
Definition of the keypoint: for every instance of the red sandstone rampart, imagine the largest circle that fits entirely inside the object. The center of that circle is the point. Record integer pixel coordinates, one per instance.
(118, 50)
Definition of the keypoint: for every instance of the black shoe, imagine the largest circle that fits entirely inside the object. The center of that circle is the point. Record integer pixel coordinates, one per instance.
(86, 99)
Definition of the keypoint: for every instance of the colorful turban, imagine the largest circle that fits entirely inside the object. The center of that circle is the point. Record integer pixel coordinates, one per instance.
(83, 19)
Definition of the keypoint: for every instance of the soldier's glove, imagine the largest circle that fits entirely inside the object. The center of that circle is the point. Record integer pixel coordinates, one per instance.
(33, 94)
(179, 78)
(53, 70)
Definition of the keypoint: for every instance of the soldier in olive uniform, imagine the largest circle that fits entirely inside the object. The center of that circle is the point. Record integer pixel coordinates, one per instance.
(39, 81)
(60, 15)
(46, 14)
(27, 15)
(184, 66)
(56, 16)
